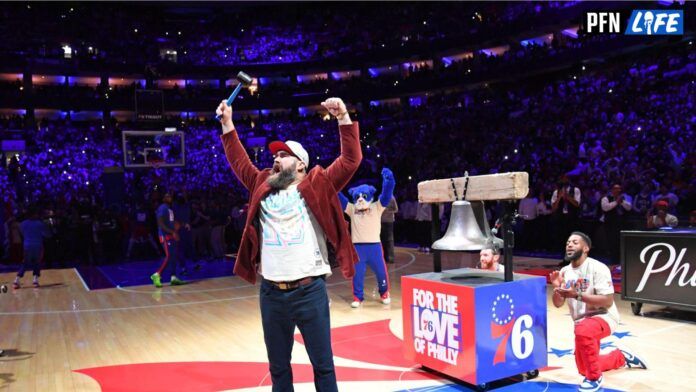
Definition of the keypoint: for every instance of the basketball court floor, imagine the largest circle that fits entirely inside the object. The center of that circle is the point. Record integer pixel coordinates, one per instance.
(206, 336)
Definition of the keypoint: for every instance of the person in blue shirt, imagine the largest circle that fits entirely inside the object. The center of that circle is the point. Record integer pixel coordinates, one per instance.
(169, 237)
(33, 232)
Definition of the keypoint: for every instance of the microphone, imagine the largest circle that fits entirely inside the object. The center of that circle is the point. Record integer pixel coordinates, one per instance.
(499, 223)
(496, 226)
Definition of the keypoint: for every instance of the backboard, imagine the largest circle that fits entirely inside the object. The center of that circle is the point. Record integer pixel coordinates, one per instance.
(153, 149)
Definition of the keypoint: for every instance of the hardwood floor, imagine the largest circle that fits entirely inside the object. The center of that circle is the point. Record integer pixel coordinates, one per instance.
(51, 332)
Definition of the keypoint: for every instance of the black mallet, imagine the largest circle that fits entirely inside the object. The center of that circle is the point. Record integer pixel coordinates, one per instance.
(244, 80)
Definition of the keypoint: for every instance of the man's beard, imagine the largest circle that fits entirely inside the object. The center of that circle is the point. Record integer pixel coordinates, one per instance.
(282, 179)
(575, 256)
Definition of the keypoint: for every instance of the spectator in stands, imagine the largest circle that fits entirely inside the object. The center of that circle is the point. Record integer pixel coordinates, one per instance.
(661, 218)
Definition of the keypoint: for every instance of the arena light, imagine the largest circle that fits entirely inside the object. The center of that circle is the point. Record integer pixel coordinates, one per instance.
(67, 51)
(571, 32)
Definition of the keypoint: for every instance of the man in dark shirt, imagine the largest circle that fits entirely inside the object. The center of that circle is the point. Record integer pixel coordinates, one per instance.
(33, 232)
(169, 237)
(387, 232)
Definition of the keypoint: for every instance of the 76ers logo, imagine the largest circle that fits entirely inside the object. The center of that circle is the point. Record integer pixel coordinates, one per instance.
(506, 326)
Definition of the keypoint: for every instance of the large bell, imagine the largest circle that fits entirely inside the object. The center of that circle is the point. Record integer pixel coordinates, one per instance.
(466, 230)
(480, 214)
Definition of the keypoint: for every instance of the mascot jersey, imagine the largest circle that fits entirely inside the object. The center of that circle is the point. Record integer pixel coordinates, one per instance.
(365, 224)
(365, 217)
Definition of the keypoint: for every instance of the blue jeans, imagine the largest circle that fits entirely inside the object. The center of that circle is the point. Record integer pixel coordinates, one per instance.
(306, 307)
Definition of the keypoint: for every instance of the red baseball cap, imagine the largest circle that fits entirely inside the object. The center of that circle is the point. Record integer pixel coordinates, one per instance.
(292, 147)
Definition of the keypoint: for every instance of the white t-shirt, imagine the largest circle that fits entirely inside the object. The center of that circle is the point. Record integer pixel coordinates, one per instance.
(592, 277)
(293, 245)
(670, 221)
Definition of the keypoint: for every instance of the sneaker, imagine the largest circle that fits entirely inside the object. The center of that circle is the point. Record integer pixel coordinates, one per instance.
(36, 283)
(16, 285)
(385, 298)
(156, 280)
(633, 362)
(356, 303)
(590, 386)
(176, 281)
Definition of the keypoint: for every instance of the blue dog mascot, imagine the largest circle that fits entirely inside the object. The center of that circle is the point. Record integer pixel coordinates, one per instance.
(366, 224)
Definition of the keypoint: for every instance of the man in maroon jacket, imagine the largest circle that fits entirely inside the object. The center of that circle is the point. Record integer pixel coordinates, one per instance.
(294, 215)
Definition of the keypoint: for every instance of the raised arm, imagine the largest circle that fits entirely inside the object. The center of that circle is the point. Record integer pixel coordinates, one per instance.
(388, 184)
(343, 168)
(236, 155)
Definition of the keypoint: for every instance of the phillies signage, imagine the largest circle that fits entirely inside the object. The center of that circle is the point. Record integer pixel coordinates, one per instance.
(659, 267)
(476, 333)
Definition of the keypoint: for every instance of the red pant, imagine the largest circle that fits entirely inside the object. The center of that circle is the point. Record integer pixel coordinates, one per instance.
(591, 364)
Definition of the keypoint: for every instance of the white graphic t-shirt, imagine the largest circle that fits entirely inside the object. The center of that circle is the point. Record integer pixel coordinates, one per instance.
(592, 277)
(293, 245)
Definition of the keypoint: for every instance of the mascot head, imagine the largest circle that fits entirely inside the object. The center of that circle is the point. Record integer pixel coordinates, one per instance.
(362, 196)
